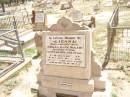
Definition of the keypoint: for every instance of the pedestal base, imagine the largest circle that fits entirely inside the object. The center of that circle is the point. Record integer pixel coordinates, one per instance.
(106, 93)
(49, 92)
(54, 86)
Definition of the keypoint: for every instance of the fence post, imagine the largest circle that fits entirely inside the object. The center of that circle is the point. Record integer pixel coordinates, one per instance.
(16, 32)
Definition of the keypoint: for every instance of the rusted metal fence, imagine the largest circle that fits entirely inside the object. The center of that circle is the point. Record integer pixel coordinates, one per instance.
(23, 20)
(118, 37)
(10, 45)
(11, 28)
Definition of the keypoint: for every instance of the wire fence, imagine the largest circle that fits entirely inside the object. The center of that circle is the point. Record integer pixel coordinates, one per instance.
(121, 45)
(118, 37)
(11, 28)
(10, 46)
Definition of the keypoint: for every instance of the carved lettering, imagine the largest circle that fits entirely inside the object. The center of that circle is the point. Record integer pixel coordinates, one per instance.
(65, 50)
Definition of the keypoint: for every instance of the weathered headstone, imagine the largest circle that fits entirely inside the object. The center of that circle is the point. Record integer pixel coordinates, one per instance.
(77, 16)
(39, 20)
(66, 5)
(39, 4)
(67, 65)
(109, 2)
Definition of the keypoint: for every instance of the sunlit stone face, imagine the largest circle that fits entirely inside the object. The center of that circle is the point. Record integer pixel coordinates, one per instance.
(65, 50)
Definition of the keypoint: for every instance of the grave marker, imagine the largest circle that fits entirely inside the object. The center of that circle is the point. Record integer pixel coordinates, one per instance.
(39, 20)
(67, 65)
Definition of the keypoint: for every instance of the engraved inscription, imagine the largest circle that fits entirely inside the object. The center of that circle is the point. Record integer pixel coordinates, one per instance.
(39, 17)
(65, 50)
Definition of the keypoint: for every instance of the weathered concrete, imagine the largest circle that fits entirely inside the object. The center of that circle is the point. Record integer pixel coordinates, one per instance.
(58, 76)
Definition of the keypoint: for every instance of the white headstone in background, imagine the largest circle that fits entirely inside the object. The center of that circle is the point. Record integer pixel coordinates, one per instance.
(76, 15)
(108, 2)
(49, 3)
(39, 17)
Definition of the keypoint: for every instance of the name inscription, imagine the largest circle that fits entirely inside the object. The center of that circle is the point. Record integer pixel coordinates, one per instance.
(65, 50)
(39, 18)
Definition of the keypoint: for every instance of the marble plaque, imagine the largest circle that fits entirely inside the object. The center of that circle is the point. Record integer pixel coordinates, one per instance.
(77, 15)
(66, 50)
(39, 18)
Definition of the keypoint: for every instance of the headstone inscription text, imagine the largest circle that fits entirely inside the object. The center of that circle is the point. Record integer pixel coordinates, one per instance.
(39, 17)
(65, 50)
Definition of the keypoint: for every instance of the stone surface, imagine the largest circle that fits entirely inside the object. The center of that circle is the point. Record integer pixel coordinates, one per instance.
(77, 16)
(96, 66)
(39, 21)
(105, 93)
(68, 65)
(63, 47)
(72, 48)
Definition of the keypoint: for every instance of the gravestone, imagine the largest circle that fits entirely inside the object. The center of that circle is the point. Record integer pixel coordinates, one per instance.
(39, 4)
(39, 20)
(77, 16)
(68, 66)
(109, 2)
(66, 5)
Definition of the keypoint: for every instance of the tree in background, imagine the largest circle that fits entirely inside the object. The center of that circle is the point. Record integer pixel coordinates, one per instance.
(2, 2)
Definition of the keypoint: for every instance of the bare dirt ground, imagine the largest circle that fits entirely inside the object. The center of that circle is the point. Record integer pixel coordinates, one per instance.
(121, 76)
(118, 73)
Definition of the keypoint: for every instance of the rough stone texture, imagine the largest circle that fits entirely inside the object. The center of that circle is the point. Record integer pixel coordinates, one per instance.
(41, 27)
(96, 66)
(64, 24)
(71, 80)
(38, 42)
(39, 21)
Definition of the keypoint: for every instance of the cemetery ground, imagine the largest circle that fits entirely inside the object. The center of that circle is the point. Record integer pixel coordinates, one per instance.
(120, 77)
(118, 72)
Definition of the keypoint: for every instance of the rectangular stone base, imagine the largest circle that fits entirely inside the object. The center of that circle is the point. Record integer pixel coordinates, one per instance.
(53, 86)
(106, 93)
(52, 92)
(38, 27)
